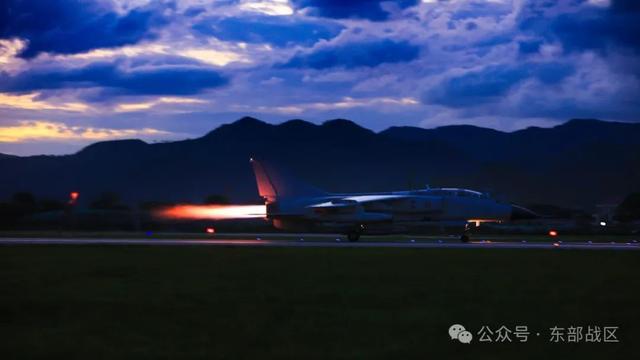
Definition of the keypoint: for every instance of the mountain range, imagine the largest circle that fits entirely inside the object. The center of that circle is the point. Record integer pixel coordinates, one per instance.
(580, 163)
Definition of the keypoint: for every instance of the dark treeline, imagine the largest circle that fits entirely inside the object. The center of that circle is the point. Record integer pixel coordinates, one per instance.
(107, 212)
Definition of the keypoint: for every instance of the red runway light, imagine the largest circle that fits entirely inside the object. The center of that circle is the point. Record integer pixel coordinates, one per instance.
(210, 230)
(73, 197)
(553, 233)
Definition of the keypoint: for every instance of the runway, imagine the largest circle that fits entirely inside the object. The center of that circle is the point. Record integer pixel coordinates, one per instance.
(337, 243)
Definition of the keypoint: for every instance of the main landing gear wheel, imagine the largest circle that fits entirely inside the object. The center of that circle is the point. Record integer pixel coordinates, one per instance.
(353, 236)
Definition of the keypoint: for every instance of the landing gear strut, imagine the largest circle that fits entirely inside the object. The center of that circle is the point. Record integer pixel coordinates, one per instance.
(465, 234)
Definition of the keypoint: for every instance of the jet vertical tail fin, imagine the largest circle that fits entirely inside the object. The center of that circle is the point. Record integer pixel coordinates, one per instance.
(273, 183)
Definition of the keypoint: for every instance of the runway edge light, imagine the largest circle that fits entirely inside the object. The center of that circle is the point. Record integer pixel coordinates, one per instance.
(73, 197)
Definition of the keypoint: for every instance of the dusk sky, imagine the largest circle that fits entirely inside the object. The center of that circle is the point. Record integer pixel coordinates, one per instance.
(73, 72)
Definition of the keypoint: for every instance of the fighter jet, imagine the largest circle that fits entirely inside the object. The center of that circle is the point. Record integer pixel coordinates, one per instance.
(297, 206)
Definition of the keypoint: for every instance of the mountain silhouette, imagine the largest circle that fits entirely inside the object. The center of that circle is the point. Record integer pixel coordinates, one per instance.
(580, 163)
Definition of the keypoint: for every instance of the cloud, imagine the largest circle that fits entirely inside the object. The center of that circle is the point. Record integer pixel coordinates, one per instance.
(587, 27)
(529, 47)
(139, 80)
(146, 105)
(345, 103)
(73, 26)
(492, 83)
(269, 7)
(357, 54)
(275, 30)
(9, 49)
(214, 57)
(358, 9)
(52, 131)
(162, 54)
(517, 62)
(31, 102)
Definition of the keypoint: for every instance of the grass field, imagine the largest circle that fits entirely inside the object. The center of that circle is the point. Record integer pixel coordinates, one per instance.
(93, 302)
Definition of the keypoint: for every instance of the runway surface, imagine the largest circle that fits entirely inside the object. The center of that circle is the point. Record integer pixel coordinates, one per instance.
(336, 243)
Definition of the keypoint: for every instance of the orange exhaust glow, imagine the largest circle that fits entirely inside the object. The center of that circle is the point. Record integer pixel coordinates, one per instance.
(213, 212)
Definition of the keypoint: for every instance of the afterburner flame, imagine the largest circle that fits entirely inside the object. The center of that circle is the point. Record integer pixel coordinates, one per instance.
(213, 212)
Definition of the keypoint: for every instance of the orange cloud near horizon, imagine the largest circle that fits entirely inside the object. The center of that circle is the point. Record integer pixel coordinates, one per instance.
(31, 102)
(53, 131)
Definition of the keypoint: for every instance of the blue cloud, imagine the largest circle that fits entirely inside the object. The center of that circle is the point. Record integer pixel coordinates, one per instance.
(492, 83)
(589, 28)
(344, 9)
(194, 11)
(625, 6)
(72, 26)
(278, 31)
(529, 47)
(552, 73)
(476, 87)
(167, 80)
(479, 9)
(353, 55)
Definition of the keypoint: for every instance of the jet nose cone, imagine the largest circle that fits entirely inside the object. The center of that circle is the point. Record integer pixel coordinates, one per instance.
(521, 213)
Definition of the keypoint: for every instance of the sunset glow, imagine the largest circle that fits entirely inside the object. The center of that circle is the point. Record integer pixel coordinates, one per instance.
(31, 102)
(186, 67)
(139, 106)
(54, 131)
(213, 212)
